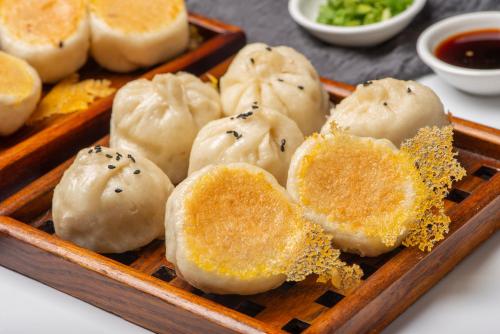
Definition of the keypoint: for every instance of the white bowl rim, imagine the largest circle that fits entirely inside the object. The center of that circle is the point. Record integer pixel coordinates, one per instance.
(299, 17)
(430, 58)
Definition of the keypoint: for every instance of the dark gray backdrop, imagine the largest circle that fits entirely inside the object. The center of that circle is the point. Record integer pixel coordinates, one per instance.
(268, 21)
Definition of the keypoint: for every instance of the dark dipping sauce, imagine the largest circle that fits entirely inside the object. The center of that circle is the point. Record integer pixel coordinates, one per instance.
(478, 49)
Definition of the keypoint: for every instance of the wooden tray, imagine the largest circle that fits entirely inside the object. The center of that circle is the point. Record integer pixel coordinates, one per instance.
(33, 151)
(142, 287)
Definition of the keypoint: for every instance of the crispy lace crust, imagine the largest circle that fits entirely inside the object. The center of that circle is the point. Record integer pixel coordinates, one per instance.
(71, 95)
(432, 151)
(318, 257)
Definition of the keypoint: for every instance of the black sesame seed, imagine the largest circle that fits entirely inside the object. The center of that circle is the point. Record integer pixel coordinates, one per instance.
(131, 157)
(255, 102)
(109, 156)
(245, 115)
(367, 83)
(235, 134)
(118, 158)
(385, 104)
(61, 44)
(111, 166)
(231, 118)
(137, 171)
(118, 190)
(90, 151)
(300, 87)
(280, 80)
(282, 146)
(253, 61)
(255, 106)
(409, 90)
(269, 48)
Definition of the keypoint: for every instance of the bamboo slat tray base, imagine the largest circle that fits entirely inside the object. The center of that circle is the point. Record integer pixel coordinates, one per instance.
(142, 287)
(34, 150)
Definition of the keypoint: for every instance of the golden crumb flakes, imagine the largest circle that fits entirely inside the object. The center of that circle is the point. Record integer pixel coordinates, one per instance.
(239, 224)
(370, 192)
(69, 96)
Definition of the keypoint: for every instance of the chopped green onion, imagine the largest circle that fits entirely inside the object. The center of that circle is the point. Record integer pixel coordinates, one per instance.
(360, 12)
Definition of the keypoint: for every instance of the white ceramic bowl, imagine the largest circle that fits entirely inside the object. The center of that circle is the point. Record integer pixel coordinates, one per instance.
(305, 12)
(480, 82)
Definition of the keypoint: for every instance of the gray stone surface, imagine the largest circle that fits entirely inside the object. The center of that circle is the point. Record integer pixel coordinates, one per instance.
(268, 21)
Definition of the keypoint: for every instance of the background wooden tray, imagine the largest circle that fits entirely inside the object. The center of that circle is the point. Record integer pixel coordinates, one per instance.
(34, 150)
(141, 286)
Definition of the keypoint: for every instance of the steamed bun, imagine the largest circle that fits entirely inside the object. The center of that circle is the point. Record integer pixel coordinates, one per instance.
(128, 34)
(110, 201)
(372, 196)
(388, 108)
(264, 138)
(20, 90)
(52, 35)
(279, 78)
(159, 119)
(202, 219)
(355, 188)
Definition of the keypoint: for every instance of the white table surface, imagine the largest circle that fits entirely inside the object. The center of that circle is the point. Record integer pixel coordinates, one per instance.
(465, 301)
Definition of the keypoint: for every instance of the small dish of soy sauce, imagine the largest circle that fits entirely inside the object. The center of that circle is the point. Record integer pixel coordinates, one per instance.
(477, 49)
(464, 51)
